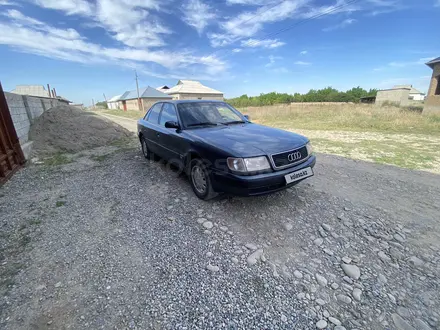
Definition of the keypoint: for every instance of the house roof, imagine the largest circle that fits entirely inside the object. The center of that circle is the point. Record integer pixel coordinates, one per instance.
(162, 87)
(433, 62)
(144, 93)
(115, 98)
(191, 87)
(412, 89)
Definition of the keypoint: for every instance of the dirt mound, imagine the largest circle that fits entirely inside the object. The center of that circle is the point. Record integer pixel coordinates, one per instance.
(68, 129)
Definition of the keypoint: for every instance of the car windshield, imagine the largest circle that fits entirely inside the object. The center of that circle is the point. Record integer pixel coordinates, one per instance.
(199, 114)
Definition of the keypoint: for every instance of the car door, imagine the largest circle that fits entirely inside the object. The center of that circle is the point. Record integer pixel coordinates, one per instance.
(151, 128)
(170, 139)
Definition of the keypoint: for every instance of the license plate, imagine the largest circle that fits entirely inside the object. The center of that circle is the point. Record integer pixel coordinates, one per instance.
(299, 175)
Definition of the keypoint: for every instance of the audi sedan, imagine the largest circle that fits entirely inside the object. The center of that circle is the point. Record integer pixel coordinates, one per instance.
(222, 151)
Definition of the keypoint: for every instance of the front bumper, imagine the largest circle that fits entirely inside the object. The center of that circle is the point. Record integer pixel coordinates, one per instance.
(254, 185)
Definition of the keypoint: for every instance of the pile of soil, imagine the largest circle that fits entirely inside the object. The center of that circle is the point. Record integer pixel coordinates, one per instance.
(68, 129)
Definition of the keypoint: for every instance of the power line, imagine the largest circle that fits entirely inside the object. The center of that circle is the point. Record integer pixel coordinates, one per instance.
(290, 27)
(325, 13)
(248, 20)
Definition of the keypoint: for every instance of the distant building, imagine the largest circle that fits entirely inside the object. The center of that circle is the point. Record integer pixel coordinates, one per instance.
(32, 90)
(148, 96)
(193, 90)
(163, 88)
(38, 91)
(400, 95)
(414, 94)
(393, 96)
(113, 103)
(432, 102)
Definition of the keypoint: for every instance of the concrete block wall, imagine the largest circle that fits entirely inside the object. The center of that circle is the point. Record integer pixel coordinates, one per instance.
(24, 110)
(19, 116)
(399, 96)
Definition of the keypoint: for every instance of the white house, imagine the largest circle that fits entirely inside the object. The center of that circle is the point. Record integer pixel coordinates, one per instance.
(414, 94)
(113, 103)
(193, 90)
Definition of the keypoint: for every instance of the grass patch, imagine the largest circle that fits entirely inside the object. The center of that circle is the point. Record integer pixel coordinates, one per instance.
(57, 159)
(101, 158)
(126, 142)
(60, 203)
(345, 117)
(126, 114)
(392, 153)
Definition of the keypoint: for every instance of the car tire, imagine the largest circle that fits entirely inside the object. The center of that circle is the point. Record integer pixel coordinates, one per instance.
(200, 181)
(145, 151)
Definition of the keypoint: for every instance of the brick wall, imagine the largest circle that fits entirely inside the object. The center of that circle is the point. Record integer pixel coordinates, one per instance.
(432, 102)
(25, 109)
(146, 104)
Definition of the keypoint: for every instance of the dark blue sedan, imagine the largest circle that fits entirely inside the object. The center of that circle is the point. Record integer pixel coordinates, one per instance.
(222, 151)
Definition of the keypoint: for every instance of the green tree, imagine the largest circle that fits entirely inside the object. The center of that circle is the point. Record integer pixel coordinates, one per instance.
(102, 104)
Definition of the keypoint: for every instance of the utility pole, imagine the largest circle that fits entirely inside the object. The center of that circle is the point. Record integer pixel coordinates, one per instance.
(137, 87)
(104, 97)
(93, 103)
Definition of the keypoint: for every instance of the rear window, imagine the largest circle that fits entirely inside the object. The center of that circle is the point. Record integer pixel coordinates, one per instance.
(153, 114)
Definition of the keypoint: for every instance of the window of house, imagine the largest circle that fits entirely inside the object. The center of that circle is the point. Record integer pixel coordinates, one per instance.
(168, 114)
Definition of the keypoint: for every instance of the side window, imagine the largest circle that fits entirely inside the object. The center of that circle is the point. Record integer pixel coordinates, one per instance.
(168, 114)
(153, 114)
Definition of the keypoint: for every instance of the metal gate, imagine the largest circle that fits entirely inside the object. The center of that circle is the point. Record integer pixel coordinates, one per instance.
(11, 155)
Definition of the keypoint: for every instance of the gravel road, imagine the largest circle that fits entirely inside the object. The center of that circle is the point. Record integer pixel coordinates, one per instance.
(112, 241)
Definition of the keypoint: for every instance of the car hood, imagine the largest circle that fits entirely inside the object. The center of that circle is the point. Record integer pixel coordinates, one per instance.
(249, 139)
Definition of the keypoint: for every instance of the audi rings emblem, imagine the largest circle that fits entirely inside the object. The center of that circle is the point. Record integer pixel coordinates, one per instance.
(294, 156)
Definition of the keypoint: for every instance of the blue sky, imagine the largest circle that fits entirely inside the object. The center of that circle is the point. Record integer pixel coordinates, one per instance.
(87, 48)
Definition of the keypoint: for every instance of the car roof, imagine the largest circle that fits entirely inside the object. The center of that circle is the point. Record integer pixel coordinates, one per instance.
(190, 101)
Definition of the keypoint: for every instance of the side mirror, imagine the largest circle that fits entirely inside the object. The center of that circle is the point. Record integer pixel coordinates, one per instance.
(172, 124)
(247, 117)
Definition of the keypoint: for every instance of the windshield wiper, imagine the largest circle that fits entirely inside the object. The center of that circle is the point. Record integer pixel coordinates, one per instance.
(235, 122)
(208, 123)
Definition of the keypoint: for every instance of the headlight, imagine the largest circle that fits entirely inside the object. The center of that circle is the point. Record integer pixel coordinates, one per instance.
(309, 148)
(248, 164)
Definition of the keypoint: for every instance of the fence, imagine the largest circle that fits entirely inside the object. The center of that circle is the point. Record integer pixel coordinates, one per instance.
(24, 110)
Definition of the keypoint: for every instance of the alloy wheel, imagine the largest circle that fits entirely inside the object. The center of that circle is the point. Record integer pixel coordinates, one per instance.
(198, 178)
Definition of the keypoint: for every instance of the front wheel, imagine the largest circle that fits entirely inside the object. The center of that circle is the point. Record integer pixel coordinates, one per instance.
(200, 181)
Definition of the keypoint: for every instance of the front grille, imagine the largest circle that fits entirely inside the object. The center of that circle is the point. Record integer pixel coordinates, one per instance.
(282, 160)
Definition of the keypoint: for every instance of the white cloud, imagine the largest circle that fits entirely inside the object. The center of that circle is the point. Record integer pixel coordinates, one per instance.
(237, 50)
(21, 20)
(272, 60)
(343, 24)
(127, 21)
(198, 14)
(8, 3)
(249, 2)
(268, 43)
(404, 64)
(71, 7)
(249, 23)
(279, 70)
(420, 61)
(32, 36)
(302, 63)
(304, 52)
